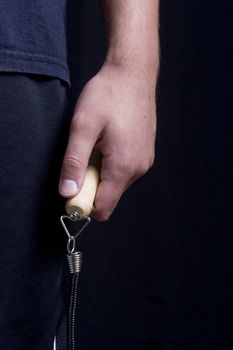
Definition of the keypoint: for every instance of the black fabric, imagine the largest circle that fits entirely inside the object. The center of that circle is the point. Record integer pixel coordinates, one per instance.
(34, 122)
(33, 37)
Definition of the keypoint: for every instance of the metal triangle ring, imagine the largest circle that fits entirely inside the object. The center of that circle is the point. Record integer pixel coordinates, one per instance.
(74, 217)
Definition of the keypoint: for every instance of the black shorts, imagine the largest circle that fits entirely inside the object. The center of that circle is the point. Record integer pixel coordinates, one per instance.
(34, 126)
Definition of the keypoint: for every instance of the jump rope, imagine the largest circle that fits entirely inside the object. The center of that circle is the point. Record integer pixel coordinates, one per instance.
(78, 209)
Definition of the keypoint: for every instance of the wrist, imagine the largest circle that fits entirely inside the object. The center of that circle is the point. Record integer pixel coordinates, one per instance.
(143, 72)
(139, 58)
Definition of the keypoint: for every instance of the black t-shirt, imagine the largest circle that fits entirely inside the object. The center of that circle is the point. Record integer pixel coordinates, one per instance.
(33, 37)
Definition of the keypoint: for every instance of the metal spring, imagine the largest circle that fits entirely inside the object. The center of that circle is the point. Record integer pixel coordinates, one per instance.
(74, 216)
(74, 261)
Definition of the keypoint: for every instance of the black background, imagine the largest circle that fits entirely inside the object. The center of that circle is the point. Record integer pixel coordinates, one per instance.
(158, 274)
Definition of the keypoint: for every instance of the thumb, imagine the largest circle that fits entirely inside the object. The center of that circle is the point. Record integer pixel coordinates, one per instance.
(80, 144)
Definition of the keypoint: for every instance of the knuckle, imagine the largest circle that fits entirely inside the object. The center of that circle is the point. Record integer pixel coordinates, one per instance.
(81, 117)
(125, 168)
(146, 165)
(142, 169)
(78, 122)
(84, 129)
(73, 161)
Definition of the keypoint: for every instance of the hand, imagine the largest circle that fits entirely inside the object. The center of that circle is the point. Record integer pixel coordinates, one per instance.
(116, 114)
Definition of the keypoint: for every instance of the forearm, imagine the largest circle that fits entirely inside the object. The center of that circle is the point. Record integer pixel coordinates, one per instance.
(132, 31)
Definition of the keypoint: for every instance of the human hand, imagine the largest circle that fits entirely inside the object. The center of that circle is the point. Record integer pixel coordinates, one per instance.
(115, 113)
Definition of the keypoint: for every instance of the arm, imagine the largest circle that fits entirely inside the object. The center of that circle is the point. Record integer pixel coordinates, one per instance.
(115, 111)
(132, 28)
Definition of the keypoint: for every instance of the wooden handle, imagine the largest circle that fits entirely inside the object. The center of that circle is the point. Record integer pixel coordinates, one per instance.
(83, 201)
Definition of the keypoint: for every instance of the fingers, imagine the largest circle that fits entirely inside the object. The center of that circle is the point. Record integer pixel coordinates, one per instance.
(115, 178)
(108, 195)
(82, 139)
(118, 172)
